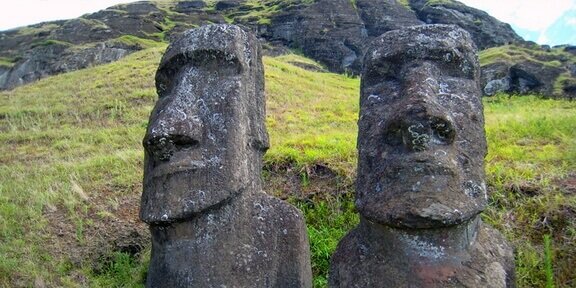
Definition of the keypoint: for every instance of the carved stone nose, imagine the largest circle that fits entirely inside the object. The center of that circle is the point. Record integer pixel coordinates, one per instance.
(420, 133)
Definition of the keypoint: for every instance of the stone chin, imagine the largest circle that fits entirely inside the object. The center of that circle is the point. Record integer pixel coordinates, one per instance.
(423, 195)
(181, 193)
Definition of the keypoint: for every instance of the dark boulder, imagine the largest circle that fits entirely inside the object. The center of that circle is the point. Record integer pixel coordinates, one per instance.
(141, 19)
(520, 78)
(380, 16)
(189, 6)
(528, 69)
(570, 49)
(227, 4)
(83, 30)
(495, 78)
(486, 30)
(329, 31)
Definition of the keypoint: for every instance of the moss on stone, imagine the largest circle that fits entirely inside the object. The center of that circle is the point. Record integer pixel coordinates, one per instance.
(35, 29)
(49, 42)
(515, 53)
(131, 40)
(405, 3)
(6, 62)
(261, 11)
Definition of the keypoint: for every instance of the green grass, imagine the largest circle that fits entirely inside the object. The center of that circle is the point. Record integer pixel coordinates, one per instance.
(405, 3)
(6, 62)
(532, 148)
(515, 54)
(42, 27)
(548, 261)
(314, 121)
(49, 42)
(259, 11)
(137, 41)
(71, 166)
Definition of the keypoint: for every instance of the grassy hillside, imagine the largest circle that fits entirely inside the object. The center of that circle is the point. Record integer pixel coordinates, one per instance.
(71, 167)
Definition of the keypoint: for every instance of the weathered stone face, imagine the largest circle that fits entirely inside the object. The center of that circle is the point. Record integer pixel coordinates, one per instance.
(421, 140)
(420, 180)
(211, 223)
(205, 138)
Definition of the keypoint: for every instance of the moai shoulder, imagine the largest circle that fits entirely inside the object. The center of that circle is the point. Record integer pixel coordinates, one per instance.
(211, 224)
(421, 182)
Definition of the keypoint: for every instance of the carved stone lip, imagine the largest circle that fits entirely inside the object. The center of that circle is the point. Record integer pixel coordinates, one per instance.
(181, 165)
(429, 167)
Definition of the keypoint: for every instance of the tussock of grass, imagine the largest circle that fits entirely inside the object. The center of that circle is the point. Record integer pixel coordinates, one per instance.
(71, 144)
(515, 54)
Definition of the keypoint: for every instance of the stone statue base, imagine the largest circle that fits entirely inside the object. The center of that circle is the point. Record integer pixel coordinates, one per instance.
(374, 255)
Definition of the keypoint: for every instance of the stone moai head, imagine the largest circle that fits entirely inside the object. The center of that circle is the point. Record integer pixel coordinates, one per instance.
(421, 140)
(206, 135)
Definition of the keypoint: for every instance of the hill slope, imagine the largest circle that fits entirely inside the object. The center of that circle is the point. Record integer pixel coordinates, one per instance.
(333, 32)
(71, 170)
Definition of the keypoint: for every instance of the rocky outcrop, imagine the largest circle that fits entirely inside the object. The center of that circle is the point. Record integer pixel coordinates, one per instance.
(333, 32)
(329, 31)
(486, 30)
(336, 32)
(380, 16)
(528, 69)
(55, 58)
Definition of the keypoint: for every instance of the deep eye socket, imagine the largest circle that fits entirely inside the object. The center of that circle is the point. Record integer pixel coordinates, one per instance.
(164, 78)
(382, 72)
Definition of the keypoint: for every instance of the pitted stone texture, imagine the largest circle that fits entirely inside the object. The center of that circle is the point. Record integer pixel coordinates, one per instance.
(421, 140)
(211, 224)
(374, 255)
(206, 134)
(420, 186)
(253, 241)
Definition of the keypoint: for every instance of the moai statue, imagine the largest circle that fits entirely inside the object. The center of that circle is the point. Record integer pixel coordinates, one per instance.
(211, 224)
(420, 186)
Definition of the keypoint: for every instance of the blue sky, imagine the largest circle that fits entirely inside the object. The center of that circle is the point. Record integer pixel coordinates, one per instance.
(550, 22)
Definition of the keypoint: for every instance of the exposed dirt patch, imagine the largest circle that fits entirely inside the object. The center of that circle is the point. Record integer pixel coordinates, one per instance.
(105, 223)
(306, 183)
(567, 185)
(529, 189)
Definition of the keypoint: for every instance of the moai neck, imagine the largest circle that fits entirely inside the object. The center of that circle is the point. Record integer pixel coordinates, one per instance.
(437, 245)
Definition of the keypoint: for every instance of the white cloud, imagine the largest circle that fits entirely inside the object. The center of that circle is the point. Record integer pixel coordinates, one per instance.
(534, 15)
(543, 38)
(25, 12)
(571, 21)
